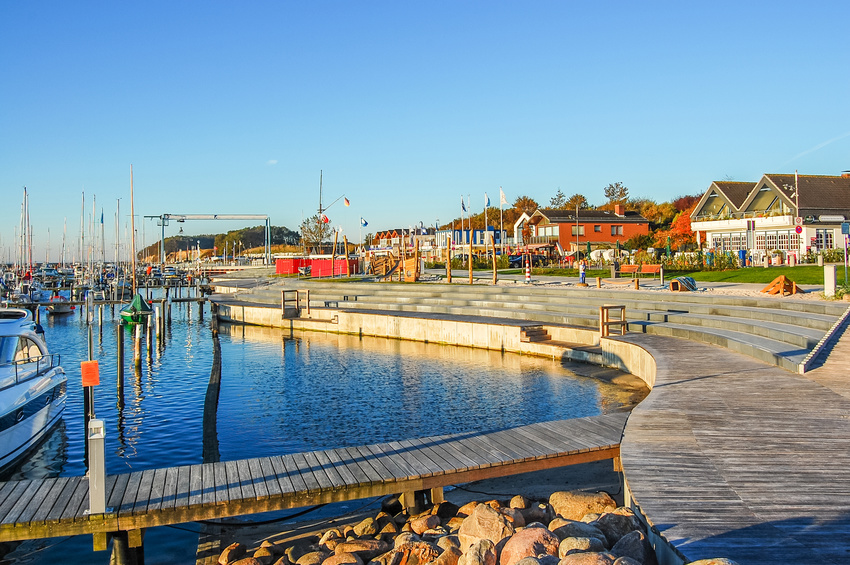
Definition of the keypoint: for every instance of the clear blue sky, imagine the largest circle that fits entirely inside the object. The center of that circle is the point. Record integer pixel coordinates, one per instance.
(235, 107)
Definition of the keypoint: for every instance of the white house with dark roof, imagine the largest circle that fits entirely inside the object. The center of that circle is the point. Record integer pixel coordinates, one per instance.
(781, 212)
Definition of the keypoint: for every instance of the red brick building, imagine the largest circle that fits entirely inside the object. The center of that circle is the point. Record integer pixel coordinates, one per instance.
(602, 228)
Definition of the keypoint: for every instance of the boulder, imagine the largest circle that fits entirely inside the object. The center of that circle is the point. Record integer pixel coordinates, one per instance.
(467, 509)
(574, 529)
(717, 560)
(403, 538)
(231, 553)
(283, 560)
(529, 542)
(264, 555)
(415, 553)
(368, 527)
(587, 559)
(422, 523)
(579, 544)
(538, 513)
(330, 539)
(446, 542)
(434, 534)
(635, 545)
(626, 561)
(313, 558)
(383, 559)
(365, 549)
(573, 505)
(453, 525)
(546, 559)
(514, 515)
(528, 561)
(343, 558)
(519, 502)
(618, 523)
(247, 561)
(300, 548)
(445, 511)
(449, 556)
(483, 523)
(481, 552)
(274, 548)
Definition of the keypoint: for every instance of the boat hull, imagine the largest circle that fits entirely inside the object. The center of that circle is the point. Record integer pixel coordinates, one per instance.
(26, 424)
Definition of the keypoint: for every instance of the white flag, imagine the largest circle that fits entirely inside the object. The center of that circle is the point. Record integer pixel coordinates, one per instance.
(502, 199)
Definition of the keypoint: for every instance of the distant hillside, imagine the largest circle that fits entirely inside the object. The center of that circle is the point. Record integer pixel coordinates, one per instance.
(249, 238)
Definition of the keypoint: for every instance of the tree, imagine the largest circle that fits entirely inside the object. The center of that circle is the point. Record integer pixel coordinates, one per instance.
(616, 193)
(559, 201)
(525, 204)
(314, 231)
(685, 202)
(576, 200)
(680, 233)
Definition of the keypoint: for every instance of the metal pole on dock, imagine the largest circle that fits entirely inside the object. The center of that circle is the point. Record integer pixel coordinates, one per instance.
(88, 391)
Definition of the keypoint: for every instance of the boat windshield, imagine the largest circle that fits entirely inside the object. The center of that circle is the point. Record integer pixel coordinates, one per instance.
(8, 346)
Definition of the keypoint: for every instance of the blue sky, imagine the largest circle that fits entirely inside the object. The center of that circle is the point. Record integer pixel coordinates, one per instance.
(235, 107)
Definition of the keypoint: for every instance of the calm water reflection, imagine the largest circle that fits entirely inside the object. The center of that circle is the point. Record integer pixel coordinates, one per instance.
(283, 392)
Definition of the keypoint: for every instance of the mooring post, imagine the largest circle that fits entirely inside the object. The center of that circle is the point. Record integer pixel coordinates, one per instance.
(137, 345)
(100, 314)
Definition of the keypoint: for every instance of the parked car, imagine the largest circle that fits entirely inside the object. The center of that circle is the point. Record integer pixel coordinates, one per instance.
(518, 261)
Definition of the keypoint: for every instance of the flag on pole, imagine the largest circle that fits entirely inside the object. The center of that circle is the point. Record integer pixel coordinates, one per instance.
(462, 205)
(363, 222)
(502, 199)
(101, 216)
(486, 200)
(345, 201)
(325, 219)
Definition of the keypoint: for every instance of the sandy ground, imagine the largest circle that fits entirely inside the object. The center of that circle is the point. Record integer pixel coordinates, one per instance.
(596, 476)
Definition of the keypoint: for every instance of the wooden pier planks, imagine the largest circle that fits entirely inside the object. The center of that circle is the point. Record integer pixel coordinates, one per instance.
(141, 499)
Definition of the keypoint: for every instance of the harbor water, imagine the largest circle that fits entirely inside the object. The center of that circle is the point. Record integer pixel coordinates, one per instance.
(281, 393)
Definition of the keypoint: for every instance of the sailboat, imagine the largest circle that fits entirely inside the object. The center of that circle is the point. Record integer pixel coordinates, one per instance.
(138, 310)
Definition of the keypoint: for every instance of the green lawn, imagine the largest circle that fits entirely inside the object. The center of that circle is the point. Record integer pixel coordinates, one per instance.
(801, 274)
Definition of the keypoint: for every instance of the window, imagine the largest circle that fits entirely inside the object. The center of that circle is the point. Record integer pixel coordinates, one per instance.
(580, 230)
(597, 229)
(824, 239)
(616, 230)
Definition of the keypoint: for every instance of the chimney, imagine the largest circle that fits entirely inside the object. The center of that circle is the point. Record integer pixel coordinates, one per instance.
(618, 210)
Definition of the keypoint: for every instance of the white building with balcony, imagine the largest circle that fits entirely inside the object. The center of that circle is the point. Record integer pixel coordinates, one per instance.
(792, 214)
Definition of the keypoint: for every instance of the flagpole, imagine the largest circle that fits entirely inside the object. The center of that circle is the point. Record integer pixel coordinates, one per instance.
(501, 221)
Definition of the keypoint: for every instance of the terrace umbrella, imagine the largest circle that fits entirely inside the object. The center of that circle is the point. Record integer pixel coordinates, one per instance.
(617, 247)
(668, 246)
(588, 249)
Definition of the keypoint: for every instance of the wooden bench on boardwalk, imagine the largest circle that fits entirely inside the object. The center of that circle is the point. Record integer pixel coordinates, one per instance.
(44, 508)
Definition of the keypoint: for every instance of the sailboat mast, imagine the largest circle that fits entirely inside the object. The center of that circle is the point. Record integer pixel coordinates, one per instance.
(133, 229)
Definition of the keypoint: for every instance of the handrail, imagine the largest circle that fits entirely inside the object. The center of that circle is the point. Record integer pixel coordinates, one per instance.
(54, 361)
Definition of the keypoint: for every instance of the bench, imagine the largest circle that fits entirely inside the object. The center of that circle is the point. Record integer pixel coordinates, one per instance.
(646, 269)
(628, 269)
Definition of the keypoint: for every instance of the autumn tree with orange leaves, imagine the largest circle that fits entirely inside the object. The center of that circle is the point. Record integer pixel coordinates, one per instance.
(680, 233)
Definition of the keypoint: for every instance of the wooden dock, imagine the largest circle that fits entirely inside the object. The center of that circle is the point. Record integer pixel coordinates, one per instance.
(730, 457)
(57, 507)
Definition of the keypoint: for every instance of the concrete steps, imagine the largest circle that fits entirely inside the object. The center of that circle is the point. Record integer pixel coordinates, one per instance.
(776, 331)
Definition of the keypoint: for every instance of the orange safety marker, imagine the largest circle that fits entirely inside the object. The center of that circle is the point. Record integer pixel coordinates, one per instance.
(91, 373)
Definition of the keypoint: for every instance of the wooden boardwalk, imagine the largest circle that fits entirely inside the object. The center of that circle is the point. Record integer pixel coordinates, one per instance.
(56, 507)
(730, 457)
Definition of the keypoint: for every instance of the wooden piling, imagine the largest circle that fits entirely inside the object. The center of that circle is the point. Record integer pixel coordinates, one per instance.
(137, 345)
(449, 260)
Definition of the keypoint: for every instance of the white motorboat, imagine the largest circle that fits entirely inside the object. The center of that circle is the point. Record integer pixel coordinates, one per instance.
(32, 385)
(59, 304)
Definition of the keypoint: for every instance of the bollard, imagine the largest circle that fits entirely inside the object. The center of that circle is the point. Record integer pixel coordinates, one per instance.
(527, 271)
(97, 467)
(637, 283)
(598, 282)
(661, 274)
(820, 259)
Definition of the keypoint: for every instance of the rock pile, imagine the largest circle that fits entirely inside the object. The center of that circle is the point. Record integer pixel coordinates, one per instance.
(571, 528)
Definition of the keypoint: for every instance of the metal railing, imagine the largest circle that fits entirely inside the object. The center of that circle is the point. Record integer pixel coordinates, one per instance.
(43, 363)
